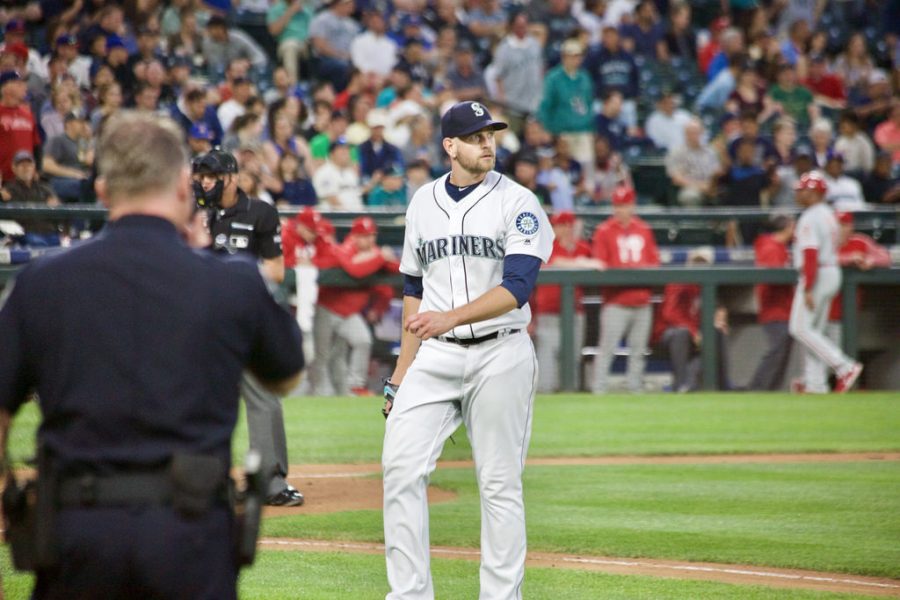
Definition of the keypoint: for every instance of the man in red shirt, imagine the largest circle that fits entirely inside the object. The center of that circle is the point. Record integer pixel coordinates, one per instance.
(624, 241)
(774, 304)
(678, 326)
(827, 88)
(342, 337)
(569, 252)
(18, 129)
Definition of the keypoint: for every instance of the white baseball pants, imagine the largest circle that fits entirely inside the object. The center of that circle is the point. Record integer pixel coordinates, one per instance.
(490, 387)
(808, 328)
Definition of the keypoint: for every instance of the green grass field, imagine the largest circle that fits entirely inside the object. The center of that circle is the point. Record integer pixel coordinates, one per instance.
(842, 517)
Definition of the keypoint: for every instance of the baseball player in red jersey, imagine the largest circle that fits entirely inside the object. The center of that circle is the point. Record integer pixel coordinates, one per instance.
(624, 241)
(340, 330)
(815, 255)
(774, 305)
(856, 250)
(300, 236)
(569, 252)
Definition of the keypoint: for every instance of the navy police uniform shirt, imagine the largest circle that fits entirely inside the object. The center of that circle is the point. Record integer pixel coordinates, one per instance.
(135, 344)
(250, 226)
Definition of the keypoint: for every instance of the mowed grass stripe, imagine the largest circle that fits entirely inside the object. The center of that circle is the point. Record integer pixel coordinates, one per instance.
(350, 430)
(836, 517)
(339, 576)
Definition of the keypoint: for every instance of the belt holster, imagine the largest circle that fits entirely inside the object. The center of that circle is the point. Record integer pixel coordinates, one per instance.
(248, 509)
(29, 517)
(197, 481)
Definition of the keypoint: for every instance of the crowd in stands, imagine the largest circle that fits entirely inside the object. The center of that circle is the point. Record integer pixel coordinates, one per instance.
(335, 104)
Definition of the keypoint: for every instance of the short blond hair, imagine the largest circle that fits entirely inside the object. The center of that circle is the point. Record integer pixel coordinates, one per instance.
(139, 154)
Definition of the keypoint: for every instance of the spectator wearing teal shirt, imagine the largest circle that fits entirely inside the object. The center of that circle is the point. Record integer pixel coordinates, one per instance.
(288, 22)
(388, 190)
(567, 107)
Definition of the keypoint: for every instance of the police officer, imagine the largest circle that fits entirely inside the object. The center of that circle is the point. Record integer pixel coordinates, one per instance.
(136, 357)
(240, 224)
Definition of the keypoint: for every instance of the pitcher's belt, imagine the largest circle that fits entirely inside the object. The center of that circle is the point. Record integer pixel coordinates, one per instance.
(478, 340)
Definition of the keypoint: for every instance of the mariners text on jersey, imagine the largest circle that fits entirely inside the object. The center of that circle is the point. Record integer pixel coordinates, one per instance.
(460, 245)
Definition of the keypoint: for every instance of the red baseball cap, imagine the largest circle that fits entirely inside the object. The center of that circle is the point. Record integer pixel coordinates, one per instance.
(623, 194)
(563, 217)
(720, 24)
(363, 226)
(844, 218)
(19, 49)
(811, 181)
(309, 217)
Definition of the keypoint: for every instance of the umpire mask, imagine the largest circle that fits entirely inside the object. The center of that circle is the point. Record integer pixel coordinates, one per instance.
(217, 163)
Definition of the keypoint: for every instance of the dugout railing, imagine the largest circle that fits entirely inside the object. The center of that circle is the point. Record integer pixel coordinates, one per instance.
(710, 279)
(880, 222)
(671, 226)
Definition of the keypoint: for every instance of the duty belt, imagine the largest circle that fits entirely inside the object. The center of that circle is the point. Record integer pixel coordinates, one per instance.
(122, 489)
(478, 340)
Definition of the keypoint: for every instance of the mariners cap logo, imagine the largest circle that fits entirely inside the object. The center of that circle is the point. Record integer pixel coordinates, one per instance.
(464, 118)
(527, 223)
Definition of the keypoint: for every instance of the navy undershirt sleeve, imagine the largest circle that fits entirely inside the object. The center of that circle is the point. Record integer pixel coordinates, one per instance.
(520, 273)
(412, 286)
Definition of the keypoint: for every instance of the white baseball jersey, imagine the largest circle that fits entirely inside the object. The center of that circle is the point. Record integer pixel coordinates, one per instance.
(817, 228)
(458, 247)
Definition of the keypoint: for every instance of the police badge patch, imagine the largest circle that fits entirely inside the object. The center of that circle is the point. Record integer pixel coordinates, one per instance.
(527, 223)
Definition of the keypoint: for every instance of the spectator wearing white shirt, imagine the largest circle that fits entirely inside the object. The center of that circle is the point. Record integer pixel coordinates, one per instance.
(373, 52)
(844, 193)
(237, 105)
(337, 182)
(693, 166)
(855, 146)
(665, 125)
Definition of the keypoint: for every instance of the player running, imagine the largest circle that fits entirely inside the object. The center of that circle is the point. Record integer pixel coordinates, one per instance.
(815, 255)
(474, 243)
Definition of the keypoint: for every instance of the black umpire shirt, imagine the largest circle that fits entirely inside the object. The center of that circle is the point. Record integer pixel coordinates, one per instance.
(135, 344)
(250, 226)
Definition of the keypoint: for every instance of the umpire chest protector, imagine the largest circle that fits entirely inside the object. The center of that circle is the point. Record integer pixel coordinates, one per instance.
(249, 226)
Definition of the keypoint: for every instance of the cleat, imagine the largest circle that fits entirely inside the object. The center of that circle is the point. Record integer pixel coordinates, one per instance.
(289, 496)
(846, 381)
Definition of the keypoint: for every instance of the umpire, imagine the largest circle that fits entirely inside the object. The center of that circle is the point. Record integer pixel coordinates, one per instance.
(136, 358)
(243, 225)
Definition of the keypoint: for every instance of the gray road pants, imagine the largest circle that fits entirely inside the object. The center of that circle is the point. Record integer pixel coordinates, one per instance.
(617, 321)
(343, 348)
(547, 343)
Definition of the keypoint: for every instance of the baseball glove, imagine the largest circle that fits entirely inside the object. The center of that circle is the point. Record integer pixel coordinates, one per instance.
(390, 392)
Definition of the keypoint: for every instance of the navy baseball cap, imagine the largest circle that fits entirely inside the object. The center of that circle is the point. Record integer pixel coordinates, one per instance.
(6, 76)
(66, 39)
(464, 118)
(14, 26)
(114, 41)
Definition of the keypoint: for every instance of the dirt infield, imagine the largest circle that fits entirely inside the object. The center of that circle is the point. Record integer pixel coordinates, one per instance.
(336, 488)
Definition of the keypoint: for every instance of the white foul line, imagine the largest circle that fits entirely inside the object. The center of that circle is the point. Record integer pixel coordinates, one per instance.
(599, 561)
